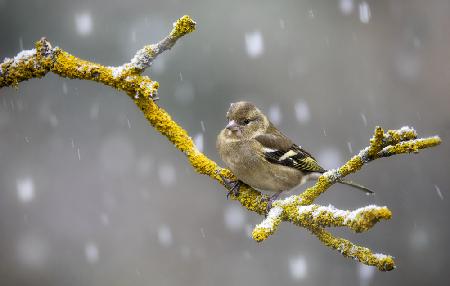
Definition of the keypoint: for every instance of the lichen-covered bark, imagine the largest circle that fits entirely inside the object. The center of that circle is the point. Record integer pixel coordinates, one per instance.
(297, 209)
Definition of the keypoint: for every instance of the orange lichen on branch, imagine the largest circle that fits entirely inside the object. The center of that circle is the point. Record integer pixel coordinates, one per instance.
(297, 209)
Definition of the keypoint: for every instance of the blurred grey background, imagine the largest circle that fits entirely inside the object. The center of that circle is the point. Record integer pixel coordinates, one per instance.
(90, 194)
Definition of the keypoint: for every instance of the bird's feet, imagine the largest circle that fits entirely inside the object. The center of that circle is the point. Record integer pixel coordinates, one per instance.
(232, 186)
(270, 200)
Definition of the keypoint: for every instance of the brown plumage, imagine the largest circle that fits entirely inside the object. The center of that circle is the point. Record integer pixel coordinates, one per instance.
(261, 156)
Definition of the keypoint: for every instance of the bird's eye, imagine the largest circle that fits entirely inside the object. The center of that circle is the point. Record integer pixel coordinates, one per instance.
(246, 121)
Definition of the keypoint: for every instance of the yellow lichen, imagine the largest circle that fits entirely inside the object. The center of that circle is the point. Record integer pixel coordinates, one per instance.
(149, 50)
(34, 66)
(183, 26)
(310, 194)
(412, 146)
(395, 136)
(359, 220)
(260, 234)
(353, 165)
(376, 141)
(251, 200)
(366, 220)
(266, 228)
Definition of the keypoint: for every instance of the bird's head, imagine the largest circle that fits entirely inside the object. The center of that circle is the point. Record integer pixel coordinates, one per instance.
(245, 120)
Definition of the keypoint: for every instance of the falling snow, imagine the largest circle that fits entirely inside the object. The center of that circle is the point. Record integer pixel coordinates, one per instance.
(202, 124)
(165, 235)
(25, 190)
(349, 146)
(364, 119)
(302, 112)
(346, 6)
(234, 217)
(364, 12)
(167, 174)
(254, 44)
(438, 191)
(298, 267)
(365, 274)
(275, 114)
(198, 141)
(91, 252)
(83, 23)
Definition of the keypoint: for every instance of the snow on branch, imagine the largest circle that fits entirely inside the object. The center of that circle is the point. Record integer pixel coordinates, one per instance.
(297, 209)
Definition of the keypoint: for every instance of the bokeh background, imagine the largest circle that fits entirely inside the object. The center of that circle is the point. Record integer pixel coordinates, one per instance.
(90, 194)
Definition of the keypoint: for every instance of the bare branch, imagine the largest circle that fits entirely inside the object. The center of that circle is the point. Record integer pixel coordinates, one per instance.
(145, 56)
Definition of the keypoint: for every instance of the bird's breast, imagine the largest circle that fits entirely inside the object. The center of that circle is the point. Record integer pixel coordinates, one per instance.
(249, 165)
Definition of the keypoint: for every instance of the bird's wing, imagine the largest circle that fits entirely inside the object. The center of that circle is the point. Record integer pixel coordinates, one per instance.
(278, 149)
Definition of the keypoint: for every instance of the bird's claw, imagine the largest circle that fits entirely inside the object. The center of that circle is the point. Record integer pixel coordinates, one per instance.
(269, 204)
(232, 186)
(270, 200)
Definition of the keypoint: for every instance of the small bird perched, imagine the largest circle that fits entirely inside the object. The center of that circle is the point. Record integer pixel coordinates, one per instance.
(262, 157)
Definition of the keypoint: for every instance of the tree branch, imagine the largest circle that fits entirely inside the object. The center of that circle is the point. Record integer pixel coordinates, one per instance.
(297, 209)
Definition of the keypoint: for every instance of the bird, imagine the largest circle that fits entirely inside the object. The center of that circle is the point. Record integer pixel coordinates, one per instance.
(261, 156)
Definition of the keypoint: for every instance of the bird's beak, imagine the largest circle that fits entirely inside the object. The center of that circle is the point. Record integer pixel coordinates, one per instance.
(232, 125)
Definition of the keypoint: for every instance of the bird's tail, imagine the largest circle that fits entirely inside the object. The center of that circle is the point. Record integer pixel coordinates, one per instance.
(356, 186)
